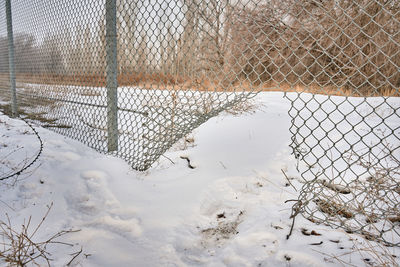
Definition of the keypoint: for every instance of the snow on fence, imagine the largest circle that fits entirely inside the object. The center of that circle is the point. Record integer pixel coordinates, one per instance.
(130, 78)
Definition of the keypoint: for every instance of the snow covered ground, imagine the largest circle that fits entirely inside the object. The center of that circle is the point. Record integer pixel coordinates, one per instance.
(229, 210)
(149, 120)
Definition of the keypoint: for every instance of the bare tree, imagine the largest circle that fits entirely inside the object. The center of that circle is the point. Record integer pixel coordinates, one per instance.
(205, 38)
(87, 52)
(345, 44)
(142, 59)
(53, 61)
(126, 27)
(188, 44)
(100, 50)
(26, 53)
(3, 55)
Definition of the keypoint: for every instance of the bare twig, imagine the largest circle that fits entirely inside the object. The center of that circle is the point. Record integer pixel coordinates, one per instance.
(76, 254)
(168, 158)
(287, 178)
(188, 162)
(19, 247)
(7, 205)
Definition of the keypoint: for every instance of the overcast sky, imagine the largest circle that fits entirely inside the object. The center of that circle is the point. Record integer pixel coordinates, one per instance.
(47, 17)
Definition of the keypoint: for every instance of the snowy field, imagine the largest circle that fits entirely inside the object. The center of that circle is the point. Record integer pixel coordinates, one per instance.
(225, 206)
(149, 120)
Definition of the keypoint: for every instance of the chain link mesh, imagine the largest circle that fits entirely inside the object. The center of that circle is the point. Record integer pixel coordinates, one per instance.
(132, 77)
(348, 148)
(169, 82)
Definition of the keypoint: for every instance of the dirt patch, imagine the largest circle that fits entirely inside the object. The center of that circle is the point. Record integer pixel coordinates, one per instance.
(226, 228)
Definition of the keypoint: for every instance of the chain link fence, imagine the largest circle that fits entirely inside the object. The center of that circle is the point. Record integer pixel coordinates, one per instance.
(130, 78)
(125, 77)
(348, 148)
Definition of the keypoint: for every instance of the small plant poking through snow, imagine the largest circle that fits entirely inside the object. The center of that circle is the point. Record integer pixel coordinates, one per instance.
(19, 247)
(372, 254)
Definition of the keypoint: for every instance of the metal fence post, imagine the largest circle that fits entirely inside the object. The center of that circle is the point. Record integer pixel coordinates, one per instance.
(111, 75)
(11, 64)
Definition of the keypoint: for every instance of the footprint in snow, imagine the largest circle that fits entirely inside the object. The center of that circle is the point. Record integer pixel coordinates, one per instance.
(101, 209)
(127, 228)
(96, 184)
(29, 190)
(91, 195)
(62, 156)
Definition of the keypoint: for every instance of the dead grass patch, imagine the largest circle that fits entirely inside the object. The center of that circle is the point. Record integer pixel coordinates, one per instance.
(20, 248)
(172, 82)
(225, 229)
(373, 254)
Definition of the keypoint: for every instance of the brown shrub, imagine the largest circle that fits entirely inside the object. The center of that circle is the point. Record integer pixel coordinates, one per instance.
(342, 44)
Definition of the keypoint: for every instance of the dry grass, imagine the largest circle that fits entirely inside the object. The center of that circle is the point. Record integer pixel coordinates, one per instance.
(367, 205)
(170, 82)
(19, 247)
(333, 208)
(372, 254)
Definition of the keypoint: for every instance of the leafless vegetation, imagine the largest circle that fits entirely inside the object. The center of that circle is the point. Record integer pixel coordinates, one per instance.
(341, 44)
(333, 47)
(20, 248)
(372, 253)
(368, 205)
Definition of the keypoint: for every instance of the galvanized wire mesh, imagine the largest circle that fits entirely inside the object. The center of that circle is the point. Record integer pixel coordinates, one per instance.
(349, 155)
(132, 77)
(349, 147)
(70, 56)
